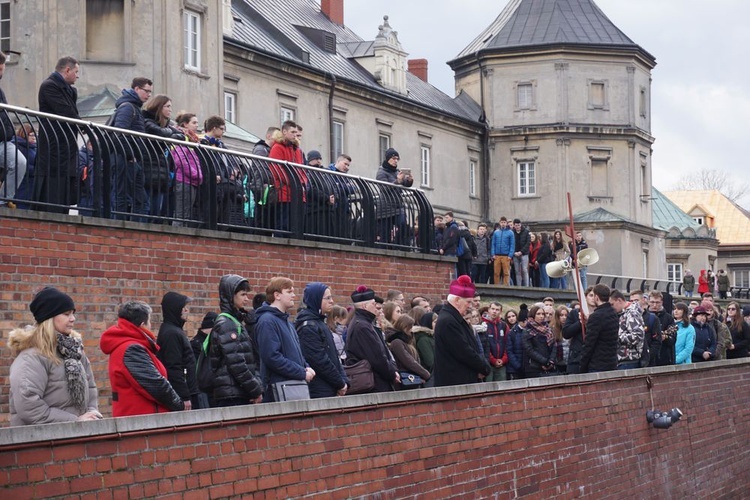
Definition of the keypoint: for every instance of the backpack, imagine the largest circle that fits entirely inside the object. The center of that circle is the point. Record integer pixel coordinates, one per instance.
(461, 248)
(204, 372)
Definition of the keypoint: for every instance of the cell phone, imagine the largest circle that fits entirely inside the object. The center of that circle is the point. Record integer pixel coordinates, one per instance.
(406, 171)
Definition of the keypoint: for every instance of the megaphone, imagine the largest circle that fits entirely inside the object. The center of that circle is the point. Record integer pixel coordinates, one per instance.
(558, 268)
(588, 257)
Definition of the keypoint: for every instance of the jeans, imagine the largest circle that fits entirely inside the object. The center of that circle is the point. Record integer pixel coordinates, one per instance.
(582, 272)
(558, 283)
(688, 293)
(630, 365)
(497, 375)
(522, 269)
(185, 195)
(543, 276)
(479, 273)
(156, 203)
(14, 163)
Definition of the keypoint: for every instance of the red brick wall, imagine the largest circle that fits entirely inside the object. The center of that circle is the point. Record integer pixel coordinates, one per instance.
(583, 436)
(102, 265)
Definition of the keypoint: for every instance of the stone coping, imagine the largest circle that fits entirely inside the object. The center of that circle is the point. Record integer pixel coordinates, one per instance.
(12, 437)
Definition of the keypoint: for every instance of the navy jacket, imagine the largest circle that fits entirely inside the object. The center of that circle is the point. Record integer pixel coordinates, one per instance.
(318, 346)
(600, 345)
(280, 353)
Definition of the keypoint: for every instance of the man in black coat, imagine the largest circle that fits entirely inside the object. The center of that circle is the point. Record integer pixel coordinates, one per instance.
(316, 341)
(364, 342)
(175, 351)
(458, 358)
(57, 157)
(599, 351)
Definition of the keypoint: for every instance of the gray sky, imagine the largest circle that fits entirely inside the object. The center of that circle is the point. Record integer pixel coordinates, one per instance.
(700, 91)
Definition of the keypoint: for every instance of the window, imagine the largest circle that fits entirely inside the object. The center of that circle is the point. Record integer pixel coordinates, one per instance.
(473, 178)
(5, 26)
(699, 220)
(230, 107)
(674, 272)
(338, 139)
(425, 163)
(741, 278)
(192, 27)
(526, 178)
(643, 102)
(105, 30)
(286, 114)
(525, 95)
(384, 142)
(598, 95)
(599, 178)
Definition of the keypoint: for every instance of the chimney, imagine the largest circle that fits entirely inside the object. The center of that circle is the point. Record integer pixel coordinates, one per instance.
(418, 68)
(333, 9)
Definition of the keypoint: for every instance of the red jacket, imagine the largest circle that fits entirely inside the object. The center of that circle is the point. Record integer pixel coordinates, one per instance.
(138, 379)
(291, 153)
(702, 283)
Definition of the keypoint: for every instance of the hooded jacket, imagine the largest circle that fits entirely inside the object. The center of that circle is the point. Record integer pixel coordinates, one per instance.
(231, 349)
(280, 353)
(318, 346)
(631, 334)
(137, 377)
(175, 351)
(388, 173)
(503, 243)
(705, 341)
(688, 282)
(425, 341)
(364, 342)
(284, 151)
(155, 160)
(573, 331)
(703, 282)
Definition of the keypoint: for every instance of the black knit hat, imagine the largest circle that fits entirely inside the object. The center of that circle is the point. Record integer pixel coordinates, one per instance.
(50, 302)
(208, 320)
(362, 294)
(390, 153)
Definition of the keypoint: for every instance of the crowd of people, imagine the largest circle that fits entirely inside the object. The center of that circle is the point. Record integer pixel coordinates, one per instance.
(53, 166)
(241, 353)
(507, 254)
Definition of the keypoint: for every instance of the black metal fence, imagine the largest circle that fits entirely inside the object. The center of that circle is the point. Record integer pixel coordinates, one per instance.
(630, 283)
(60, 165)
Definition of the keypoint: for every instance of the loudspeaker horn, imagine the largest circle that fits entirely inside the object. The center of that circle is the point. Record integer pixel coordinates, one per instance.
(558, 268)
(588, 257)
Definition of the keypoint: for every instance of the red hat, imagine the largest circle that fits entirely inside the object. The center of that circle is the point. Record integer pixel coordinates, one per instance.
(462, 287)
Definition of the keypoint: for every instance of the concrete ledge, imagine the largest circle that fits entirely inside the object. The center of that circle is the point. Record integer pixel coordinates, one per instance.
(11, 437)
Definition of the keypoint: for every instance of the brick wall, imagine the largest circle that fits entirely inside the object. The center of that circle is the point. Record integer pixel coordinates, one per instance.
(103, 263)
(562, 437)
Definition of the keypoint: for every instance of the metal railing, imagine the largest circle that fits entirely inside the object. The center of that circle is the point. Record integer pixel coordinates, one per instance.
(100, 171)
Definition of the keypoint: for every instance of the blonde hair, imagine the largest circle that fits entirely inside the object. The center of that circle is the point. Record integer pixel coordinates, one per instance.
(42, 337)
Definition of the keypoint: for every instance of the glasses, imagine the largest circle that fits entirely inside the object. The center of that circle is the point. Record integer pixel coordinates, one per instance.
(330, 297)
(147, 91)
(731, 308)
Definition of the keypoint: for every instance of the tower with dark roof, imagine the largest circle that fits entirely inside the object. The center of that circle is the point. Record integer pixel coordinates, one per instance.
(566, 98)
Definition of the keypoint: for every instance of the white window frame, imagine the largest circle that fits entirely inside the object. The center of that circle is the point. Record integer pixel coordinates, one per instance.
(472, 178)
(526, 173)
(192, 40)
(383, 138)
(425, 160)
(700, 220)
(230, 106)
(741, 278)
(338, 139)
(528, 101)
(286, 114)
(674, 271)
(5, 27)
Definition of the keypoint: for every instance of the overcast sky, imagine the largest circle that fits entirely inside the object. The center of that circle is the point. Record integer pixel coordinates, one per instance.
(700, 99)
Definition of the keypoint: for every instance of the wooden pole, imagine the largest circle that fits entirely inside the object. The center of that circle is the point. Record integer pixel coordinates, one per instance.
(576, 274)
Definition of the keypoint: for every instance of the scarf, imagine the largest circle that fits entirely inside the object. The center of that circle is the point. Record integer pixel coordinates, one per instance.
(71, 350)
(535, 329)
(190, 135)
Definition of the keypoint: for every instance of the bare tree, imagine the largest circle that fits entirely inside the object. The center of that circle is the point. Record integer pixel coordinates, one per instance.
(720, 180)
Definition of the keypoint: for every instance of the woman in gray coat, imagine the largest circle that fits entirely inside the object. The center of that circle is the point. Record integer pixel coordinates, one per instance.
(51, 379)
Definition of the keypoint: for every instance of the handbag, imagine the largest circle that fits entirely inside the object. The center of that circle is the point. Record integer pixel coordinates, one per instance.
(410, 380)
(361, 378)
(290, 390)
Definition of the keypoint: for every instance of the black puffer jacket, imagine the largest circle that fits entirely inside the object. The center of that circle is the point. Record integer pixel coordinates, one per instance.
(175, 351)
(600, 345)
(573, 331)
(231, 349)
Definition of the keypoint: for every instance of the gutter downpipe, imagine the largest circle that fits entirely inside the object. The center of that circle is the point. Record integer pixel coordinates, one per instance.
(485, 146)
